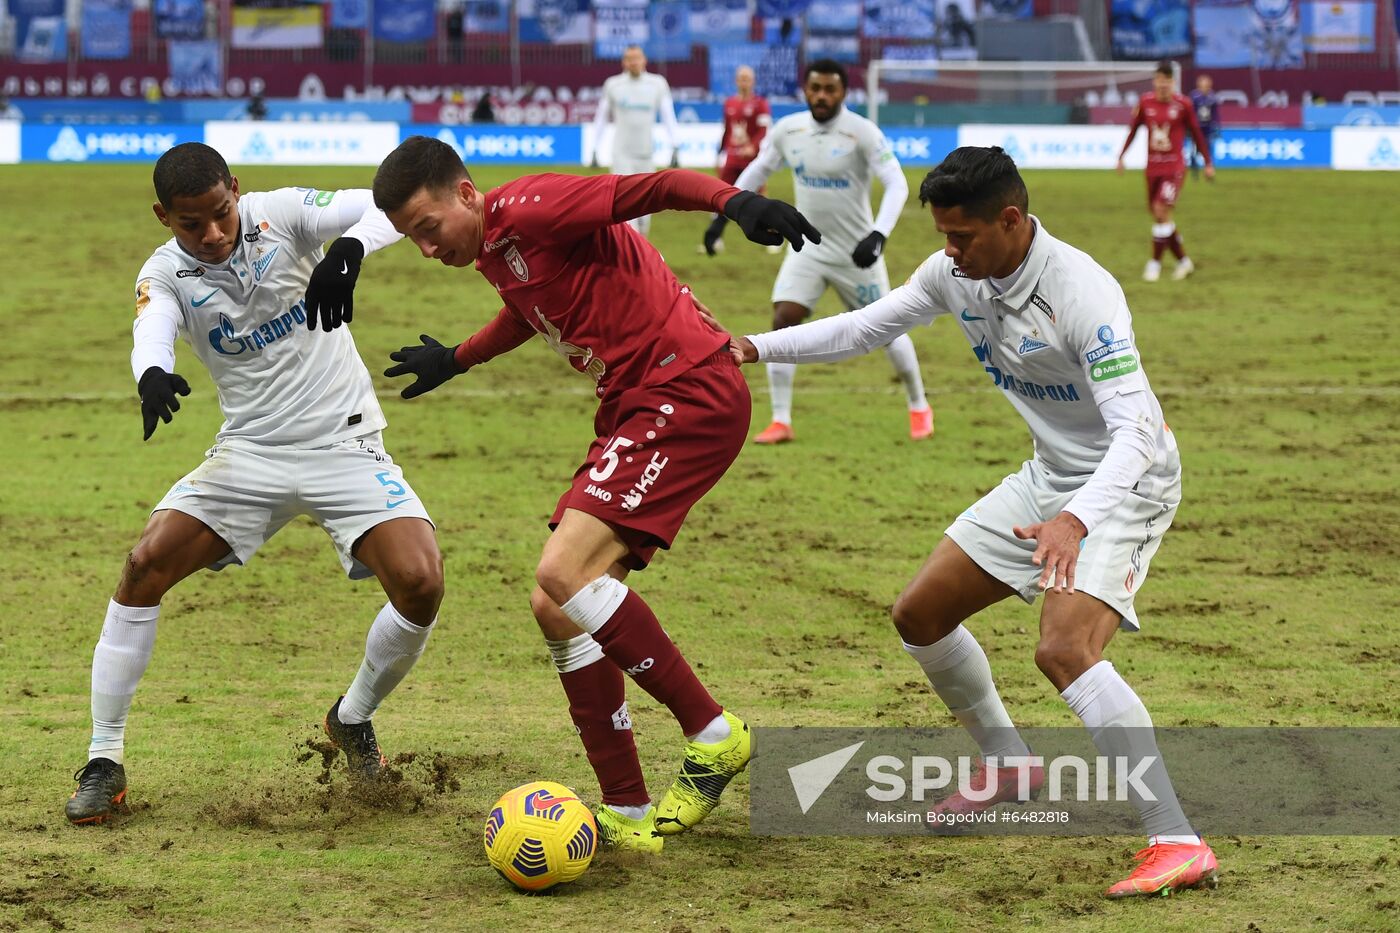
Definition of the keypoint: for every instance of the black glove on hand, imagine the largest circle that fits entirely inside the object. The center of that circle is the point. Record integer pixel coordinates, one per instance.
(869, 249)
(713, 232)
(158, 389)
(330, 295)
(432, 364)
(769, 222)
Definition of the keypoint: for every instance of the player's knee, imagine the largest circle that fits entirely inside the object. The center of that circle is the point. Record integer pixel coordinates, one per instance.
(554, 625)
(557, 577)
(145, 576)
(418, 589)
(916, 623)
(1062, 660)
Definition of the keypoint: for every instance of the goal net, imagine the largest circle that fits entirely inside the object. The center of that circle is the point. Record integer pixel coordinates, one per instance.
(1006, 84)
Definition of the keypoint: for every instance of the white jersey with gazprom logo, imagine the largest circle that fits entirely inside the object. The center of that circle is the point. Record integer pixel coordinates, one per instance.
(278, 382)
(832, 165)
(1059, 343)
(634, 104)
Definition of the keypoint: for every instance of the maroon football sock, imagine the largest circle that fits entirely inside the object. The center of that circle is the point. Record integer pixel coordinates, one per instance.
(634, 640)
(598, 706)
(1174, 243)
(1159, 245)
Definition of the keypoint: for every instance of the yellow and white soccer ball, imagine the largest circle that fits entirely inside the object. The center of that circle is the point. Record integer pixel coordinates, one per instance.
(539, 835)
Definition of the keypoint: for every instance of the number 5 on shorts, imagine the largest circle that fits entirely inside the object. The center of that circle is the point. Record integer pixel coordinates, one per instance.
(394, 487)
(607, 463)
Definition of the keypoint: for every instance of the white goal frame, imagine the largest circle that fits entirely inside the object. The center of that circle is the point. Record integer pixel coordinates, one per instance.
(876, 66)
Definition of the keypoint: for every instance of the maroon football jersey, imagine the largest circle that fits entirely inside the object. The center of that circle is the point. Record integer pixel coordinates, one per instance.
(1167, 125)
(597, 291)
(745, 124)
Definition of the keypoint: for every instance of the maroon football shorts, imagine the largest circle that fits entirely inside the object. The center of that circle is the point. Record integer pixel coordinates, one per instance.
(733, 168)
(659, 450)
(1164, 185)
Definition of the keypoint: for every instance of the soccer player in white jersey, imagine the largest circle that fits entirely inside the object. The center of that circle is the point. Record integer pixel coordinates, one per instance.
(1080, 521)
(301, 436)
(633, 99)
(833, 154)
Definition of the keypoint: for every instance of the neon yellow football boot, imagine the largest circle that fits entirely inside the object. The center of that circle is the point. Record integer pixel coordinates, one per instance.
(705, 772)
(620, 832)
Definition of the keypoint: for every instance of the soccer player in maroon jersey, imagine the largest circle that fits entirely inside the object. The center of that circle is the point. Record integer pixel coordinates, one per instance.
(746, 120)
(673, 413)
(1168, 116)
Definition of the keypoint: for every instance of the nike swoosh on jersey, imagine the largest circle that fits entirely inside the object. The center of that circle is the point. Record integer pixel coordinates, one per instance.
(196, 302)
(971, 317)
(391, 504)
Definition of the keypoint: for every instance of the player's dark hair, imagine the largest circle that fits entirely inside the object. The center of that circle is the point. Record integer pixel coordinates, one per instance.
(827, 66)
(981, 180)
(1165, 67)
(419, 162)
(187, 171)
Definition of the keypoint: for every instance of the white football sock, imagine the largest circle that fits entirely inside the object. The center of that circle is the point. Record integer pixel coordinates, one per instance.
(591, 607)
(906, 364)
(118, 661)
(1163, 231)
(780, 379)
(632, 813)
(574, 654)
(391, 649)
(716, 731)
(1120, 727)
(957, 668)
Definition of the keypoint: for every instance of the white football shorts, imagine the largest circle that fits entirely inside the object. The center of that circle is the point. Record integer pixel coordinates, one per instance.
(246, 492)
(631, 165)
(803, 280)
(1113, 559)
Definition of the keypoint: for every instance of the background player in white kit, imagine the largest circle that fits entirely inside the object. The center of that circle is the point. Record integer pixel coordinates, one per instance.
(634, 99)
(301, 436)
(1082, 518)
(833, 154)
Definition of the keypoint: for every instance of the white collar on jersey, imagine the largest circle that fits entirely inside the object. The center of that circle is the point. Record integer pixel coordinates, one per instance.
(1015, 290)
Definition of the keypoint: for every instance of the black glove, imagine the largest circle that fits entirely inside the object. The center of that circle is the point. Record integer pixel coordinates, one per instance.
(330, 295)
(432, 364)
(713, 232)
(158, 389)
(769, 222)
(869, 249)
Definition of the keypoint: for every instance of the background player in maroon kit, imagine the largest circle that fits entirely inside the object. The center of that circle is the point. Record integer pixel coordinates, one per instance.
(673, 414)
(746, 120)
(1168, 116)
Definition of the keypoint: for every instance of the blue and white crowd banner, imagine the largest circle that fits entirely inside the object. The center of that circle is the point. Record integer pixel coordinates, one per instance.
(1224, 31)
(924, 52)
(545, 145)
(835, 16)
(722, 21)
(669, 27)
(1278, 34)
(349, 14)
(486, 16)
(1148, 30)
(1326, 116)
(618, 24)
(106, 29)
(899, 19)
(404, 20)
(1058, 146)
(776, 74)
(1366, 148)
(1007, 9)
(1273, 149)
(562, 22)
(262, 143)
(196, 67)
(41, 38)
(923, 146)
(276, 24)
(103, 143)
(27, 8)
(783, 8)
(179, 19)
(726, 58)
(1339, 26)
(841, 48)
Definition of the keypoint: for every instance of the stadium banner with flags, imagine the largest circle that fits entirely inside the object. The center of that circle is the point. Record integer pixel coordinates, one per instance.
(782, 8)
(404, 20)
(41, 38)
(618, 24)
(1142, 32)
(835, 16)
(483, 16)
(349, 14)
(178, 19)
(259, 26)
(899, 19)
(106, 29)
(562, 22)
(1334, 26)
(196, 66)
(713, 21)
(669, 27)
(835, 46)
(27, 8)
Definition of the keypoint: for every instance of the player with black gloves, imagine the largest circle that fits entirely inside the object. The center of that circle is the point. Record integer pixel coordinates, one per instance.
(834, 154)
(244, 282)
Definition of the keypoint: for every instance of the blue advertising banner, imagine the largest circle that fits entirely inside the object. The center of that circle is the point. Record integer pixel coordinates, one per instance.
(20, 8)
(924, 146)
(899, 19)
(551, 145)
(196, 67)
(404, 20)
(482, 16)
(1148, 29)
(349, 14)
(558, 21)
(179, 19)
(669, 25)
(103, 144)
(41, 38)
(106, 29)
(101, 110)
(1326, 116)
(714, 21)
(1007, 9)
(1273, 149)
(296, 111)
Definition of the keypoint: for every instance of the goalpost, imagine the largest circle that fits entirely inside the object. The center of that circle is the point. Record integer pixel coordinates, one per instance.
(990, 83)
